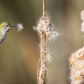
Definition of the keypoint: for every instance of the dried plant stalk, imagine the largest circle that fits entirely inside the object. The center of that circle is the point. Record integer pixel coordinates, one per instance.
(43, 57)
(46, 32)
(42, 78)
(43, 26)
(43, 8)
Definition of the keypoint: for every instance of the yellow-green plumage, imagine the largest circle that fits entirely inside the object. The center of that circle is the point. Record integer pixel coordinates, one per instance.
(2, 24)
(3, 31)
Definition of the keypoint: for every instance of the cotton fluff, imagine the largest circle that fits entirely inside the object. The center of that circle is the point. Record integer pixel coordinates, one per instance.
(77, 67)
(20, 27)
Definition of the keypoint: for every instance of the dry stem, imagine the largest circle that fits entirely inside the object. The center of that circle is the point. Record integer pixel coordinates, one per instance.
(43, 57)
(43, 53)
(46, 32)
(43, 8)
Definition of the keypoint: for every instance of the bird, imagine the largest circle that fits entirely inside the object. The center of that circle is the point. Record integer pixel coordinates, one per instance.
(5, 27)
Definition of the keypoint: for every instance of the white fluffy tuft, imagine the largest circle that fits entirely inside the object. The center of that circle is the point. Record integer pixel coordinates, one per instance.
(20, 27)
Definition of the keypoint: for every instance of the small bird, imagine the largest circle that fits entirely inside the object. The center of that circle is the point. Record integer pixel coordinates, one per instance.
(5, 27)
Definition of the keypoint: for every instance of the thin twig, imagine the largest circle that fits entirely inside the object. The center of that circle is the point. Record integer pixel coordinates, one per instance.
(43, 8)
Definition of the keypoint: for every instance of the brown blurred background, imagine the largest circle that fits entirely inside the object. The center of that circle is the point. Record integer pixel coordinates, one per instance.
(19, 54)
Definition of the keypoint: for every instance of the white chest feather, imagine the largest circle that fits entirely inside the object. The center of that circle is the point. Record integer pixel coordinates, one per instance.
(2, 36)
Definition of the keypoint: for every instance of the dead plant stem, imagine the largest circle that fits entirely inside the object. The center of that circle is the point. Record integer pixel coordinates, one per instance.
(43, 57)
(43, 8)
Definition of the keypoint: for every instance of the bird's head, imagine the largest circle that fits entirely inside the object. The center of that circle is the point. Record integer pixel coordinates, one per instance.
(5, 27)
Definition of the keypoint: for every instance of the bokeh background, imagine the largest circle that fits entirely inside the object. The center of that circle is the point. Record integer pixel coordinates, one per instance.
(20, 52)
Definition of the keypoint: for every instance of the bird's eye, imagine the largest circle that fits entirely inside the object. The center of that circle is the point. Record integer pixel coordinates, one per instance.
(6, 25)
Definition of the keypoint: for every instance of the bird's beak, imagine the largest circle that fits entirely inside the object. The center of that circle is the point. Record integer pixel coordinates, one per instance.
(13, 25)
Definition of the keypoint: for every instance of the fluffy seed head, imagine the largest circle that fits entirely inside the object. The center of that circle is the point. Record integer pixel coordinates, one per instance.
(45, 25)
(20, 27)
(80, 52)
(77, 67)
(82, 17)
(82, 27)
(46, 31)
